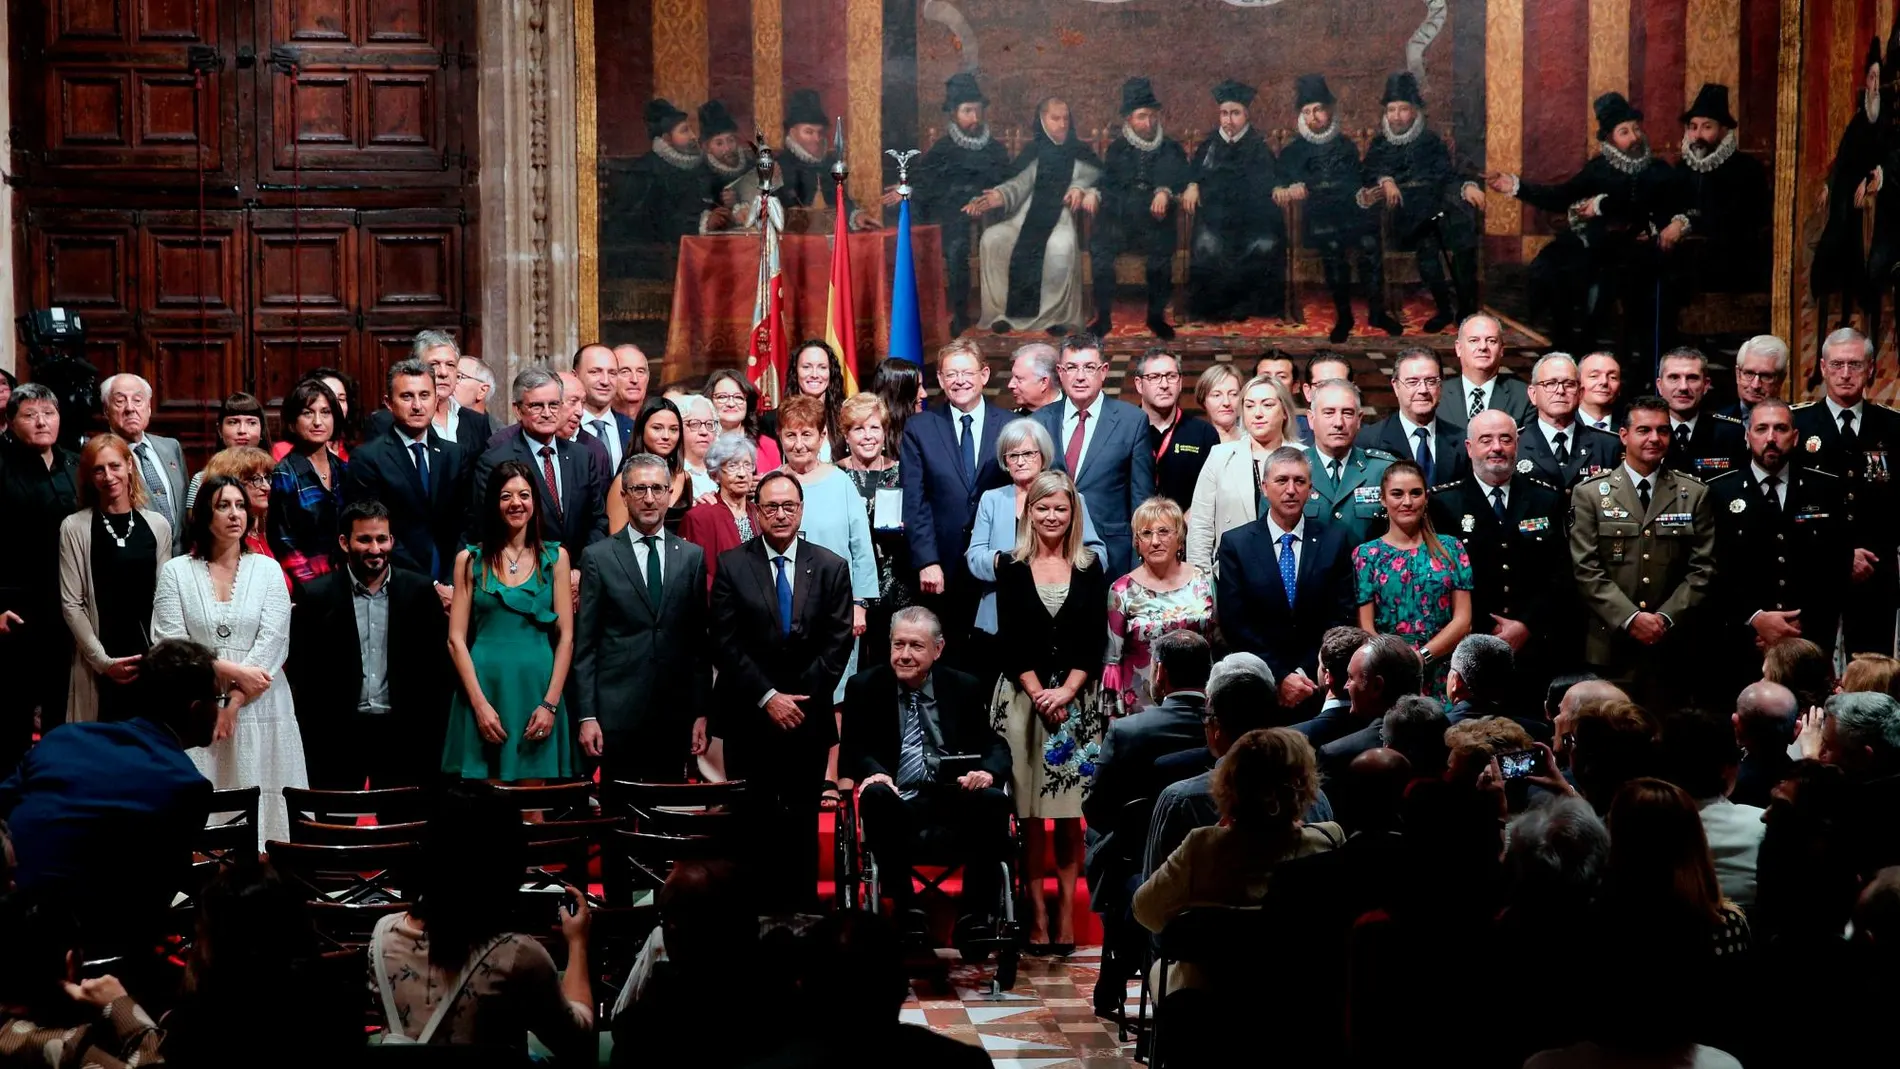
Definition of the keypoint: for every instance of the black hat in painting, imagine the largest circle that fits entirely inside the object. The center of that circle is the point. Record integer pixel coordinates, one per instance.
(961, 89)
(1613, 109)
(1137, 93)
(1232, 92)
(714, 120)
(1311, 89)
(1711, 102)
(804, 107)
(662, 117)
(1402, 85)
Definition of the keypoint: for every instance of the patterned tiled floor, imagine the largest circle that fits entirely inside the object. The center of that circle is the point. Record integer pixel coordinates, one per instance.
(1045, 1022)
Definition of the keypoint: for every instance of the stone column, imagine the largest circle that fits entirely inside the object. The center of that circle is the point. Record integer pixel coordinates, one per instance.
(527, 181)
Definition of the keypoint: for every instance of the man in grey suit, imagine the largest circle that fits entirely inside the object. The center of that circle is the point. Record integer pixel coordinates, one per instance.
(128, 403)
(1103, 445)
(1480, 346)
(641, 677)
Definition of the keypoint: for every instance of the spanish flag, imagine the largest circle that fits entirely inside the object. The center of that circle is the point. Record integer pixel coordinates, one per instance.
(841, 331)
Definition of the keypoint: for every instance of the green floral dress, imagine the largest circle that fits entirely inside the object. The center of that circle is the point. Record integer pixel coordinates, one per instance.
(1410, 592)
(512, 632)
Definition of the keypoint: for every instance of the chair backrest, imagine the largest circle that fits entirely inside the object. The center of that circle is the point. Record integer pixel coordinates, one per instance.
(388, 805)
(560, 800)
(321, 834)
(230, 824)
(646, 802)
(641, 861)
(348, 873)
(345, 927)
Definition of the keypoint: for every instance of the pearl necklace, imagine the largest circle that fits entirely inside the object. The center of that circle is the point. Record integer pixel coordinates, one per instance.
(131, 522)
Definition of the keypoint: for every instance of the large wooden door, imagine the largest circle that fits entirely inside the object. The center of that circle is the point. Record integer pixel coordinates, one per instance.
(231, 192)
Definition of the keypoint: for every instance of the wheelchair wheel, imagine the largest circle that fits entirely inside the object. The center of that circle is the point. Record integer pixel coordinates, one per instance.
(1008, 956)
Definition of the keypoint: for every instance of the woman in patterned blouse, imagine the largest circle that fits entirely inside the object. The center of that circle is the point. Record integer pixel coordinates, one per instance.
(1414, 582)
(306, 486)
(1163, 594)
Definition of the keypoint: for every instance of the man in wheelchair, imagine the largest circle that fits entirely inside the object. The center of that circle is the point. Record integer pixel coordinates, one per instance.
(916, 737)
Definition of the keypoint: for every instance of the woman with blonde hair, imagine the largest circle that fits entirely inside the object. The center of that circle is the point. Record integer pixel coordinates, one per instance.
(1052, 616)
(1162, 594)
(1412, 581)
(1875, 672)
(871, 463)
(1217, 391)
(1228, 491)
(110, 553)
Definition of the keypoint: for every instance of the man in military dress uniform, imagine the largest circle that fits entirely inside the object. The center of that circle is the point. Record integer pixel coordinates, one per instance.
(1781, 547)
(1239, 259)
(1726, 198)
(1512, 525)
(1143, 171)
(1856, 439)
(956, 170)
(1433, 212)
(1642, 543)
(1559, 447)
(1320, 170)
(804, 165)
(1700, 443)
(1345, 476)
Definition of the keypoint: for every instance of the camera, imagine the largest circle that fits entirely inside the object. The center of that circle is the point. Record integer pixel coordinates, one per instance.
(1520, 763)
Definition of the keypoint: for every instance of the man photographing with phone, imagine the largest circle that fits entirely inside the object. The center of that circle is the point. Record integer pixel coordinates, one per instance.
(910, 735)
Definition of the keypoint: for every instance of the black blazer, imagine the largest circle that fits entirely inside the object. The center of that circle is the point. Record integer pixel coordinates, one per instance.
(1051, 646)
(873, 729)
(384, 469)
(582, 518)
(1713, 448)
(1448, 444)
(1798, 558)
(1520, 568)
(754, 656)
(472, 431)
(939, 502)
(1592, 452)
(641, 668)
(1129, 769)
(325, 666)
(1251, 601)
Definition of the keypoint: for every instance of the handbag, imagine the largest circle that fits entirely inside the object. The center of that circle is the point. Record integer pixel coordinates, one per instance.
(392, 1034)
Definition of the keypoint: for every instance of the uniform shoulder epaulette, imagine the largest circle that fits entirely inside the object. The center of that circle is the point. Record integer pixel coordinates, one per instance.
(1726, 418)
(1799, 405)
(1877, 404)
(1380, 454)
(1713, 479)
(1445, 487)
(1536, 481)
(1692, 478)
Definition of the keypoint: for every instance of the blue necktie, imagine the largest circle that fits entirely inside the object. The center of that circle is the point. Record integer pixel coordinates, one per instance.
(1497, 502)
(784, 596)
(968, 455)
(910, 763)
(1424, 453)
(1288, 570)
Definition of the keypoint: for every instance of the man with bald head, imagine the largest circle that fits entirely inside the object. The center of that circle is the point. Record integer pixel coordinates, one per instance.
(630, 368)
(1480, 347)
(1765, 717)
(599, 373)
(1560, 448)
(1581, 693)
(1512, 525)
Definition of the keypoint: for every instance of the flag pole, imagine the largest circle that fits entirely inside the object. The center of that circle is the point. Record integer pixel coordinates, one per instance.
(841, 330)
(906, 339)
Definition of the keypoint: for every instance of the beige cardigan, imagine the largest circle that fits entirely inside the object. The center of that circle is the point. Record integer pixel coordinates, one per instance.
(1225, 496)
(81, 609)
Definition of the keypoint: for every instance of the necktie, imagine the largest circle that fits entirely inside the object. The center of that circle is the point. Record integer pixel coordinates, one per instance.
(1769, 491)
(1679, 444)
(1642, 495)
(784, 596)
(153, 484)
(1288, 569)
(652, 542)
(1477, 402)
(1332, 469)
(1849, 439)
(547, 472)
(910, 763)
(1497, 502)
(968, 453)
(600, 432)
(1424, 453)
(1072, 456)
(422, 464)
(1562, 452)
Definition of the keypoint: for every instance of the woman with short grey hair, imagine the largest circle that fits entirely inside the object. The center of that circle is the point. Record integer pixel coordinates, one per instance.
(728, 520)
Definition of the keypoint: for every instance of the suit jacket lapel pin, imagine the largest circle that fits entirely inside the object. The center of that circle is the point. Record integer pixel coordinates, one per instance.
(1470, 523)
(1524, 466)
(1737, 505)
(1814, 443)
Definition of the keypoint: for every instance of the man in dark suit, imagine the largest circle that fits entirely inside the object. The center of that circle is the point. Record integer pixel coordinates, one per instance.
(1560, 448)
(1848, 435)
(1381, 672)
(599, 374)
(1128, 778)
(642, 677)
(1251, 592)
(1513, 526)
(453, 421)
(900, 719)
(1479, 346)
(1103, 445)
(106, 813)
(948, 455)
(1701, 443)
(781, 631)
(420, 478)
(369, 667)
(1482, 683)
(570, 495)
(1180, 442)
(1415, 432)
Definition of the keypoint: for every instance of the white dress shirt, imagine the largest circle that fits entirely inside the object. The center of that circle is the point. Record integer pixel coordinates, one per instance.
(1489, 490)
(1070, 415)
(640, 551)
(1859, 410)
(1299, 540)
(1762, 475)
(446, 428)
(1683, 429)
(1411, 438)
(791, 581)
(144, 445)
(1485, 391)
(1551, 432)
(534, 450)
(976, 427)
(609, 432)
(1602, 423)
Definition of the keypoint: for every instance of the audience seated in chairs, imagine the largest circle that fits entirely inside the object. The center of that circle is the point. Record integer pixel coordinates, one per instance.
(453, 969)
(900, 721)
(48, 1015)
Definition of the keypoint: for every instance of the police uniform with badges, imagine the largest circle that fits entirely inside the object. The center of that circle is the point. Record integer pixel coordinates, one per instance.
(1777, 554)
(1520, 565)
(1712, 446)
(1588, 452)
(1352, 499)
(1630, 558)
(1864, 458)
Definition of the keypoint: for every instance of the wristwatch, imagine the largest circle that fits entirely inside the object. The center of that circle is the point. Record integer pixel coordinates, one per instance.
(861, 603)
(1426, 656)
(550, 707)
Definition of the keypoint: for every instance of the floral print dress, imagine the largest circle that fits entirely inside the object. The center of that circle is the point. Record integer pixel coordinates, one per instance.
(1410, 592)
(1137, 616)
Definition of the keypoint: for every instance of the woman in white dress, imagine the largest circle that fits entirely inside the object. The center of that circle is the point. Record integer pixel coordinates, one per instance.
(235, 602)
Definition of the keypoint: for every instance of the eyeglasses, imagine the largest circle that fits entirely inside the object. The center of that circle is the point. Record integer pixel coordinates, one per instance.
(1159, 377)
(1420, 384)
(542, 406)
(1558, 385)
(701, 424)
(779, 508)
(1761, 376)
(1022, 455)
(1844, 365)
(648, 490)
(257, 480)
(728, 398)
(1086, 369)
(737, 466)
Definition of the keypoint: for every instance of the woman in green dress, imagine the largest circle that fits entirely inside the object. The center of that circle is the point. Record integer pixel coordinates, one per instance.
(511, 634)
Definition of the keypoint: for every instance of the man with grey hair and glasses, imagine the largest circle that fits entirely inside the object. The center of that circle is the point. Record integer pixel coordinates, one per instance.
(1560, 447)
(1761, 372)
